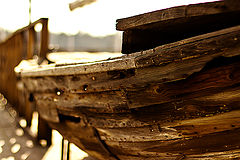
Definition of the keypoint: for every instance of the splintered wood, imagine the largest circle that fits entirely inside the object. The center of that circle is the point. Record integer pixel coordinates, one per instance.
(174, 101)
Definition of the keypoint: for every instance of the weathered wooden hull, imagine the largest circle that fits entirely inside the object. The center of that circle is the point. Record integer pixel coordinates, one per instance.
(176, 101)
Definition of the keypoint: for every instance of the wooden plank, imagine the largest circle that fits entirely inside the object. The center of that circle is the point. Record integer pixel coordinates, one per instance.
(187, 11)
(202, 84)
(149, 30)
(24, 29)
(139, 134)
(208, 125)
(193, 47)
(84, 68)
(218, 142)
(188, 126)
(155, 115)
(162, 55)
(31, 43)
(195, 138)
(174, 131)
(169, 68)
(108, 101)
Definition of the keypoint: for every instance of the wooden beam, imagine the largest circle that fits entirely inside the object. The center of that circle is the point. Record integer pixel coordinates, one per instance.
(175, 13)
(31, 43)
(44, 39)
(156, 28)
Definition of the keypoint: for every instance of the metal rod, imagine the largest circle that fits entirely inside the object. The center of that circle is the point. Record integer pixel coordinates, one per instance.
(68, 151)
(30, 11)
(62, 149)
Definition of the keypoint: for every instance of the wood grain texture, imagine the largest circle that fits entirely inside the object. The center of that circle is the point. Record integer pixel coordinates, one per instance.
(195, 124)
(174, 13)
(175, 101)
(207, 44)
(161, 27)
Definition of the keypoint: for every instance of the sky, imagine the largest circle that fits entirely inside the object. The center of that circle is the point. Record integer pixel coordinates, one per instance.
(97, 19)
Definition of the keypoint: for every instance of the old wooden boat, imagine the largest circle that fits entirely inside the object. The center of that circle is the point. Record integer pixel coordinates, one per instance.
(176, 96)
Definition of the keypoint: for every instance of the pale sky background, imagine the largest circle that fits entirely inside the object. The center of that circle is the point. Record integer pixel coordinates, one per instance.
(97, 19)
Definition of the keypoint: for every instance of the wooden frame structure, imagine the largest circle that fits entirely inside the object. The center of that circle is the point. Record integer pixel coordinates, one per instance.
(22, 44)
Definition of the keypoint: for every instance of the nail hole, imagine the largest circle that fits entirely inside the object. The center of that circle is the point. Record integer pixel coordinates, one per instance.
(85, 87)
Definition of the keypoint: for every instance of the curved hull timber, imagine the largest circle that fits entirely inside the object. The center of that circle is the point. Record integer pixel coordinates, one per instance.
(176, 101)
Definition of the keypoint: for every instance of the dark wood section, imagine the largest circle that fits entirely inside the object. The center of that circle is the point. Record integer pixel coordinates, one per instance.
(149, 30)
(211, 8)
(196, 123)
(162, 64)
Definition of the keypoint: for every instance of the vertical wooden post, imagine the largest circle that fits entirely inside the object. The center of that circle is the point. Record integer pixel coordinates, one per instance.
(44, 131)
(19, 51)
(28, 110)
(44, 39)
(31, 42)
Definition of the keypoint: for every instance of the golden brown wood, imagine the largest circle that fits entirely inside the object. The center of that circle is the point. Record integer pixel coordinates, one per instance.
(188, 116)
(156, 28)
(44, 39)
(174, 13)
(31, 42)
(175, 101)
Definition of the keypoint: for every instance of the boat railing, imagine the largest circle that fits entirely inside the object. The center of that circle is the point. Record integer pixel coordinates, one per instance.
(23, 44)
